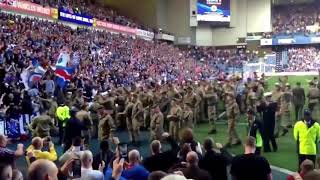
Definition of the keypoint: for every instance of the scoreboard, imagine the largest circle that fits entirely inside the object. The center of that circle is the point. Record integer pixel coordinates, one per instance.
(213, 10)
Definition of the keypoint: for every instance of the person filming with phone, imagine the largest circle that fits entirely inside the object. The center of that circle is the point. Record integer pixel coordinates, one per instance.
(36, 148)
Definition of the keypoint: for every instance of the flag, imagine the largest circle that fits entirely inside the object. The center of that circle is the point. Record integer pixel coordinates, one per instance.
(64, 75)
(34, 77)
(63, 59)
(40, 70)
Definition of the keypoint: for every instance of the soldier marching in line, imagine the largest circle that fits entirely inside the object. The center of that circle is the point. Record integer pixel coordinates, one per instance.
(298, 100)
(212, 100)
(137, 118)
(174, 118)
(275, 97)
(232, 112)
(285, 116)
(106, 125)
(156, 124)
(128, 114)
(187, 117)
(313, 97)
(84, 116)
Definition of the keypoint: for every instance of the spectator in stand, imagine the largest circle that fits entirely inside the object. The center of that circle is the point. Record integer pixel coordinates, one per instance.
(5, 171)
(187, 138)
(250, 166)
(293, 19)
(161, 161)
(6, 155)
(86, 167)
(306, 167)
(214, 160)
(105, 154)
(43, 169)
(135, 170)
(72, 130)
(193, 171)
(75, 151)
(17, 175)
(313, 175)
(156, 175)
(36, 148)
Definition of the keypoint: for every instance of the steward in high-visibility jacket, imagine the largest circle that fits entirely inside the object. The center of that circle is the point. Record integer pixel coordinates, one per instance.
(307, 135)
(63, 115)
(255, 130)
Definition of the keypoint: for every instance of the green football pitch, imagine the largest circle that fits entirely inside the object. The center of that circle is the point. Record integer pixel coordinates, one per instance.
(286, 157)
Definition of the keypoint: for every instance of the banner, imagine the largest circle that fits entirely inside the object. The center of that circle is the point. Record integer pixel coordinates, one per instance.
(115, 27)
(65, 15)
(265, 42)
(54, 13)
(26, 7)
(145, 34)
(166, 37)
(287, 41)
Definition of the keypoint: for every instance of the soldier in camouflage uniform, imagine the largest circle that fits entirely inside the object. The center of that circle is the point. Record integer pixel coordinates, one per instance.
(156, 124)
(187, 117)
(232, 112)
(106, 125)
(137, 118)
(313, 96)
(42, 125)
(252, 99)
(285, 116)
(84, 116)
(275, 97)
(202, 110)
(128, 114)
(174, 118)
(52, 106)
(120, 106)
(94, 110)
(212, 99)
(193, 100)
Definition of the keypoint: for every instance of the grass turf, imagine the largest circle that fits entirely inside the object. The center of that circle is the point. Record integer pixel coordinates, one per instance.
(286, 157)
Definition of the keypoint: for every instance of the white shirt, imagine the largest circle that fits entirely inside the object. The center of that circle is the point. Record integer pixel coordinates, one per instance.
(90, 174)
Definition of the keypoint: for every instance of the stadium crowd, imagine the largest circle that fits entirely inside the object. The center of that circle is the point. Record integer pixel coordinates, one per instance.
(294, 19)
(105, 63)
(118, 80)
(92, 8)
(303, 59)
(226, 57)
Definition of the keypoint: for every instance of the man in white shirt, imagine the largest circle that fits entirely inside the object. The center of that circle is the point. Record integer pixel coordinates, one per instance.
(87, 173)
(75, 151)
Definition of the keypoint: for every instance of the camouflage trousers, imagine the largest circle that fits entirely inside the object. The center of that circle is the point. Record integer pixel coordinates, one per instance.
(174, 130)
(136, 124)
(315, 111)
(212, 116)
(285, 119)
(232, 133)
(155, 134)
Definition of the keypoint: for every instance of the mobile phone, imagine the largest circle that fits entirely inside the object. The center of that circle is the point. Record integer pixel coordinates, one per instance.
(76, 168)
(123, 150)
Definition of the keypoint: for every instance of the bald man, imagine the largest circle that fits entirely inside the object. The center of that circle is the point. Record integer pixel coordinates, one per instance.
(6, 155)
(86, 167)
(43, 169)
(135, 171)
(193, 171)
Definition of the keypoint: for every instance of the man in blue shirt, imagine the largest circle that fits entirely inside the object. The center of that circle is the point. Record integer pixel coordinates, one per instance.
(134, 170)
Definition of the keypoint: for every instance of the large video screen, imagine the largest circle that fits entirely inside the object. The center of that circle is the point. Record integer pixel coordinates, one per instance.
(213, 10)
